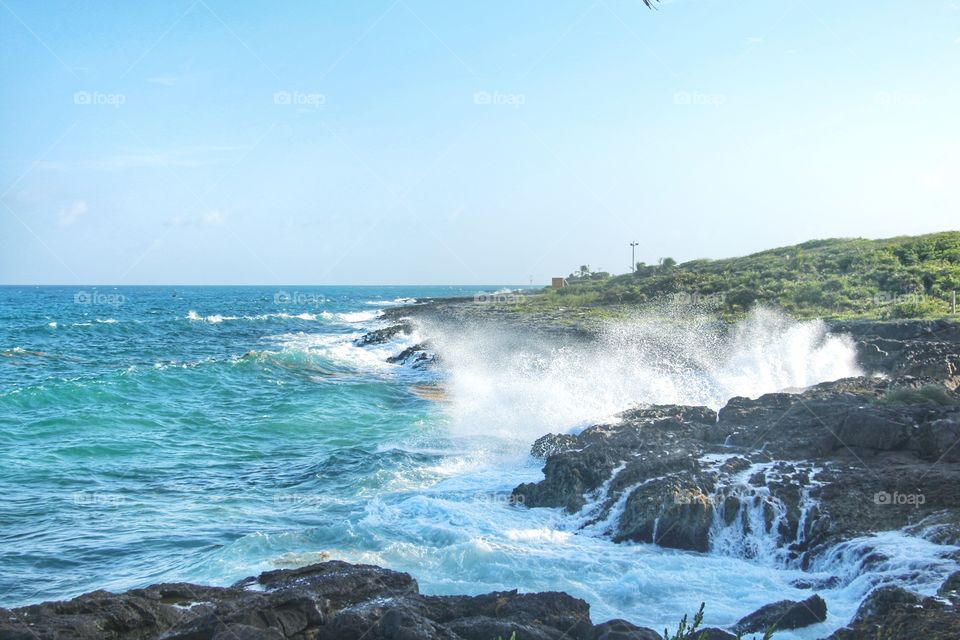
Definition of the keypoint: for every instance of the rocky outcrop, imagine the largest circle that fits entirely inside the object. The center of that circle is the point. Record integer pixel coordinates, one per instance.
(832, 462)
(384, 335)
(786, 614)
(332, 600)
(917, 348)
(893, 612)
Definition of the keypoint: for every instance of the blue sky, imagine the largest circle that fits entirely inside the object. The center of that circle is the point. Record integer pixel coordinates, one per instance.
(408, 141)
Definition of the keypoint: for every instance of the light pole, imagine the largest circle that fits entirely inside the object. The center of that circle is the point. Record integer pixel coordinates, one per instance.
(633, 256)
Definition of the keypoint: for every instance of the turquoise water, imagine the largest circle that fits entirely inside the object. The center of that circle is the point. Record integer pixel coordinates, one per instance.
(154, 433)
(208, 433)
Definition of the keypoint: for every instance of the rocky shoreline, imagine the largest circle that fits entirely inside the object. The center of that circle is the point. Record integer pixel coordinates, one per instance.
(789, 478)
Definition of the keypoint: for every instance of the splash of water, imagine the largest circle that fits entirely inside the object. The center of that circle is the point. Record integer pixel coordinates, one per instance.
(520, 385)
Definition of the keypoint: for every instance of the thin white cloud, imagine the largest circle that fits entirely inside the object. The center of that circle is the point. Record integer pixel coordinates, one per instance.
(70, 214)
(754, 40)
(214, 218)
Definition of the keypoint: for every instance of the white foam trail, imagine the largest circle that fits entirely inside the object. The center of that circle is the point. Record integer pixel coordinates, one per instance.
(390, 303)
(357, 316)
(503, 384)
(340, 349)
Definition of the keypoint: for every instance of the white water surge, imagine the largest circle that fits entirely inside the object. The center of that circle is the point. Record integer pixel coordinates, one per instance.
(522, 386)
(462, 534)
(451, 522)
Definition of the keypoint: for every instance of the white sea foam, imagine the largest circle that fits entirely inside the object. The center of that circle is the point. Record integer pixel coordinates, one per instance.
(340, 349)
(357, 316)
(390, 303)
(525, 386)
(217, 318)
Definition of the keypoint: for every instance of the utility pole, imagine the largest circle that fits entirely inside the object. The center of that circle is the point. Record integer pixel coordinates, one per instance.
(633, 256)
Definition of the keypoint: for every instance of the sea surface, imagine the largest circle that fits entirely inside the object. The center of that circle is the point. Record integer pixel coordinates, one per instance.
(206, 434)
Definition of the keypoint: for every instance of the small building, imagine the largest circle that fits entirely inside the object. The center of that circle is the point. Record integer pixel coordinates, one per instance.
(558, 283)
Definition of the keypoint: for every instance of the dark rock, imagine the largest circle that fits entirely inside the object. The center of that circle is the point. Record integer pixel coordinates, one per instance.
(786, 614)
(874, 428)
(893, 612)
(677, 517)
(552, 444)
(244, 632)
(330, 600)
(415, 356)
(937, 440)
(682, 413)
(623, 630)
(712, 633)
(381, 336)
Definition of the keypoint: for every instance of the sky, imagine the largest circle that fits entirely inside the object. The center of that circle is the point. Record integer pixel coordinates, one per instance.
(437, 142)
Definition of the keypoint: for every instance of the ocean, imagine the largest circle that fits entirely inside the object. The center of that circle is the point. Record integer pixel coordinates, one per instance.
(205, 434)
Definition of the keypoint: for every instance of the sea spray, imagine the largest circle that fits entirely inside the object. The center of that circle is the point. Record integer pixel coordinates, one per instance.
(521, 385)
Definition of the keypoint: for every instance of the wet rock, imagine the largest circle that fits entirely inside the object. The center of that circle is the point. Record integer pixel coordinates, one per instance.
(623, 630)
(382, 336)
(328, 600)
(552, 444)
(415, 356)
(786, 614)
(712, 633)
(893, 612)
(678, 517)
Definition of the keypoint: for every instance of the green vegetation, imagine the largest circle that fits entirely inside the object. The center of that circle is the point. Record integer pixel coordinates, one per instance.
(903, 277)
(688, 631)
(928, 393)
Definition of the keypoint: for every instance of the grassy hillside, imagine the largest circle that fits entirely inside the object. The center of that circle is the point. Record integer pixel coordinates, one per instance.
(903, 277)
